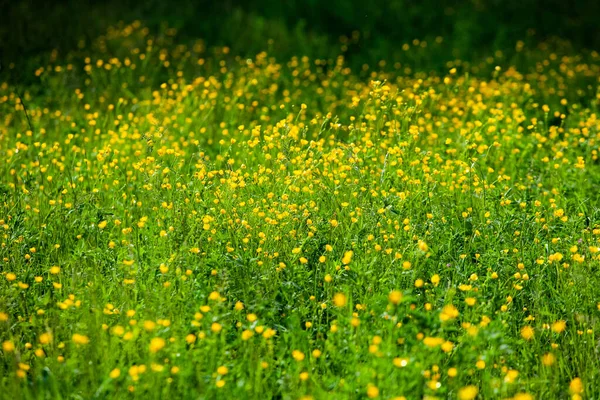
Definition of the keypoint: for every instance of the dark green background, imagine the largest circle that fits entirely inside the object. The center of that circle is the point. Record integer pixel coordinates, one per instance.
(471, 28)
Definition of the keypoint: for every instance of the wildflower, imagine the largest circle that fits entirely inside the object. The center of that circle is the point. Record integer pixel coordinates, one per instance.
(347, 257)
(522, 396)
(548, 359)
(372, 392)
(559, 326)
(251, 317)
(433, 341)
(449, 312)
(8, 346)
(115, 373)
(269, 333)
(190, 338)
(157, 344)
(247, 334)
(395, 297)
(468, 392)
(80, 339)
(340, 300)
(400, 362)
(527, 332)
(45, 338)
(222, 370)
(576, 386)
(149, 325)
(511, 375)
(298, 355)
(447, 346)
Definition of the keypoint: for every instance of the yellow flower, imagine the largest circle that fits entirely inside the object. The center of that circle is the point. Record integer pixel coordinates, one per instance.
(190, 338)
(222, 370)
(470, 301)
(340, 300)
(548, 359)
(468, 392)
(115, 373)
(433, 341)
(347, 257)
(269, 333)
(45, 338)
(522, 396)
(157, 344)
(395, 297)
(449, 312)
(247, 334)
(559, 326)
(251, 317)
(527, 332)
(372, 392)
(80, 339)
(511, 375)
(149, 325)
(298, 355)
(400, 362)
(216, 327)
(576, 386)
(8, 346)
(447, 346)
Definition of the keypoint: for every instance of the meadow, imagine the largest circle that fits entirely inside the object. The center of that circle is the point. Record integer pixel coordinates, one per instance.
(181, 221)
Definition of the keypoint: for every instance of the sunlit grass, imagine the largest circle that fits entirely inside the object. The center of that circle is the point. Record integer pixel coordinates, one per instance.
(179, 222)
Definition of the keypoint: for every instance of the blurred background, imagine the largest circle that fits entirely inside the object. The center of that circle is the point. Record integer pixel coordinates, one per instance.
(364, 31)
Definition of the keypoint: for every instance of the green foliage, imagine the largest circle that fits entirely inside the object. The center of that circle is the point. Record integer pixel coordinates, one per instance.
(196, 211)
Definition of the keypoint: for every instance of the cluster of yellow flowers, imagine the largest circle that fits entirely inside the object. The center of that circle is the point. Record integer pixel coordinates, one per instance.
(297, 227)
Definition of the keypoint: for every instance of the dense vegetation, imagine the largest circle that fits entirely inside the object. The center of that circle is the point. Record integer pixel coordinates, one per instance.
(181, 219)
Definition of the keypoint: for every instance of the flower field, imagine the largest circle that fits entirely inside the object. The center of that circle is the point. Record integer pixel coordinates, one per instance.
(178, 221)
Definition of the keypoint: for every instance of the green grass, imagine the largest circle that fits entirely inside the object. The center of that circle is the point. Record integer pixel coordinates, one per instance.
(179, 221)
